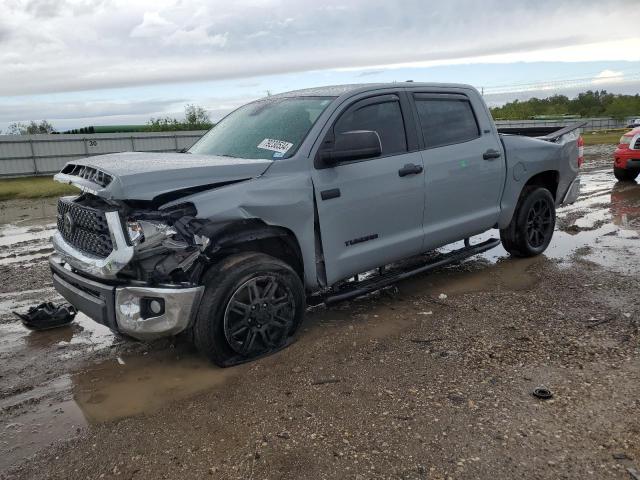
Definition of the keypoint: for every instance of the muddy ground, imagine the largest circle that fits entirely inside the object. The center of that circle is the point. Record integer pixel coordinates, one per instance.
(402, 384)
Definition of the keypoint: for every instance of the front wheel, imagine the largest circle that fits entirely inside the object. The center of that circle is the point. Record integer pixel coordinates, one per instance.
(253, 303)
(532, 225)
(626, 174)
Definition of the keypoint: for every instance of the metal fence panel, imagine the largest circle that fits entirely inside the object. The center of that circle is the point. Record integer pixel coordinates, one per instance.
(25, 155)
(592, 123)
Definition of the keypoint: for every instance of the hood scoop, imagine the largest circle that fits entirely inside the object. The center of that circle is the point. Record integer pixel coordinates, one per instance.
(88, 173)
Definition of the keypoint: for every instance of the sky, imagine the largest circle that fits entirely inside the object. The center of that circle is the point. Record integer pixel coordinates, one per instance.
(99, 62)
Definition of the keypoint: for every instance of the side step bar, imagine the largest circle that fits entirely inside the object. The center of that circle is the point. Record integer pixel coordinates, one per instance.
(371, 285)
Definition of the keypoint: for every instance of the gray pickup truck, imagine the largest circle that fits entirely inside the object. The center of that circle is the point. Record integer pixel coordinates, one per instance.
(289, 198)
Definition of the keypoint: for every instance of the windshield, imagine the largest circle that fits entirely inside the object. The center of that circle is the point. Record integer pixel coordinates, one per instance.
(267, 129)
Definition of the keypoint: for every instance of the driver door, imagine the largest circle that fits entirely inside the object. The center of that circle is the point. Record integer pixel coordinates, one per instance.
(371, 211)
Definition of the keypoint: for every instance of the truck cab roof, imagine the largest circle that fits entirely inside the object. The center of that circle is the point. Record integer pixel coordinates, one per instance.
(353, 89)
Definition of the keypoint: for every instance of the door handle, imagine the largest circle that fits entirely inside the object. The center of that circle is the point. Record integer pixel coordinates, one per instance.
(410, 169)
(491, 154)
(329, 194)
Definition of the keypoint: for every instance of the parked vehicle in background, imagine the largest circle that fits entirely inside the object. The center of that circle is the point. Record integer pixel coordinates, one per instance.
(626, 163)
(288, 198)
(634, 123)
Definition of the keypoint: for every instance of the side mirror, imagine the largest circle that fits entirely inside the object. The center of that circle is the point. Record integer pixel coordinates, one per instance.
(355, 145)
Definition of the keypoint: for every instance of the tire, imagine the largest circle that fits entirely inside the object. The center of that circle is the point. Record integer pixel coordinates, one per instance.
(626, 174)
(252, 305)
(532, 225)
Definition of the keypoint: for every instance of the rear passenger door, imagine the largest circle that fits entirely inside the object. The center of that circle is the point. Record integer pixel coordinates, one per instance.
(464, 166)
(370, 211)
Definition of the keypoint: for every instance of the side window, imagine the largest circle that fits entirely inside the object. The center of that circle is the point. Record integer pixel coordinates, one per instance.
(384, 118)
(446, 121)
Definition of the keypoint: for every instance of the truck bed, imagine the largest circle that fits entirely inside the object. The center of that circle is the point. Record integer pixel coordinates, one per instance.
(542, 132)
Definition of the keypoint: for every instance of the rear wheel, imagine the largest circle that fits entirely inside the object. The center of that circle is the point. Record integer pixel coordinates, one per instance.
(252, 305)
(626, 174)
(532, 225)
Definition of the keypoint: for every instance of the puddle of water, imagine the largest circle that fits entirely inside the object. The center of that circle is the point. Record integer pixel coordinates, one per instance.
(47, 413)
(26, 227)
(28, 212)
(16, 339)
(143, 384)
(11, 234)
(58, 409)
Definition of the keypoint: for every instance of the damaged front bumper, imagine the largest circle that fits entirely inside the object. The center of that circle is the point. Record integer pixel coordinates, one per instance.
(128, 309)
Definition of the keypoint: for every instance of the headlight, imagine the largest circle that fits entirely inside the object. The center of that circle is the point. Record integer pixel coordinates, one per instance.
(136, 235)
(147, 233)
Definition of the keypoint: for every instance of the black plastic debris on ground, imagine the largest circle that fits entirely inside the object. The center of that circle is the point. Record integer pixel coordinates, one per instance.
(542, 393)
(47, 315)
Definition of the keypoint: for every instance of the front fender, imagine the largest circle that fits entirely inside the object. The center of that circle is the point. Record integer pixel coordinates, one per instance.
(279, 200)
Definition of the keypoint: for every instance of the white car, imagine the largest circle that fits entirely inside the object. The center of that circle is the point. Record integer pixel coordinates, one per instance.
(635, 123)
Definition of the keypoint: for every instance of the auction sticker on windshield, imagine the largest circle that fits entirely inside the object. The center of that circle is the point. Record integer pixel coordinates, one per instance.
(279, 146)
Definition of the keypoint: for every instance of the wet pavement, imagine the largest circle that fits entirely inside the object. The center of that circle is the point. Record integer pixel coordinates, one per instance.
(56, 383)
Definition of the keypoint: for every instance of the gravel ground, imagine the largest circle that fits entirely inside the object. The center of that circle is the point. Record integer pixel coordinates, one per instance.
(430, 380)
(383, 389)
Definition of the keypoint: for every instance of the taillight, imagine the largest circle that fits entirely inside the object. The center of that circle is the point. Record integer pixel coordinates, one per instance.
(580, 151)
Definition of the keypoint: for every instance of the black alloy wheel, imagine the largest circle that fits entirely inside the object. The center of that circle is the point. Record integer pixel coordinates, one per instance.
(539, 223)
(259, 315)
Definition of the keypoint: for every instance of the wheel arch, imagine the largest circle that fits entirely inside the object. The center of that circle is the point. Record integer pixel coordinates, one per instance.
(254, 235)
(549, 179)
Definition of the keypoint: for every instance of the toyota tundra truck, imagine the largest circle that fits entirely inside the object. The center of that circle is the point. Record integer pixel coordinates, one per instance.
(289, 199)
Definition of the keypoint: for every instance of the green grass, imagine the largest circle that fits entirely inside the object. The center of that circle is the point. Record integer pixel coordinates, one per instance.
(33, 187)
(597, 137)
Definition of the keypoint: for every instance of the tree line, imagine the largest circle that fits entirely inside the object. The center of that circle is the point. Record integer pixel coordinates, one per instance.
(598, 103)
(195, 118)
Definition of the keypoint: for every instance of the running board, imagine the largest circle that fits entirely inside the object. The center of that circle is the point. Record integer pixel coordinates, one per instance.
(371, 285)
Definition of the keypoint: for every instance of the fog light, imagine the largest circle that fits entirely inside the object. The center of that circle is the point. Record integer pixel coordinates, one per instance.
(155, 306)
(152, 307)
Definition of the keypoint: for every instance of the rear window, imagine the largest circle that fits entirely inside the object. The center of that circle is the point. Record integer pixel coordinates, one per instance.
(446, 121)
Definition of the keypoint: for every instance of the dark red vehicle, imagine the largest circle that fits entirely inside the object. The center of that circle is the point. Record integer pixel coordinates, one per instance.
(626, 166)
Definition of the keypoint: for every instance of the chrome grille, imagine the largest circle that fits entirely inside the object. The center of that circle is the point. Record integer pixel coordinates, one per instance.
(85, 228)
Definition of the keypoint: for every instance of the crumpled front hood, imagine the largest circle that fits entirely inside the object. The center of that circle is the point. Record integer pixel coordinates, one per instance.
(145, 176)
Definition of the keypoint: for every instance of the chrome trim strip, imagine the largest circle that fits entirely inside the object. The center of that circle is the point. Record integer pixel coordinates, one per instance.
(95, 266)
(180, 305)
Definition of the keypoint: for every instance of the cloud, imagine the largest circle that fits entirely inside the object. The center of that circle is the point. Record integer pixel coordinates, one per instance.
(196, 37)
(606, 77)
(152, 25)
(74, 45)
(44, 8)
(74, 114)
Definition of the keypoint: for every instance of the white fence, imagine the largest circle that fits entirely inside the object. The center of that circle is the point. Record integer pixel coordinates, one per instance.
(26, 155)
